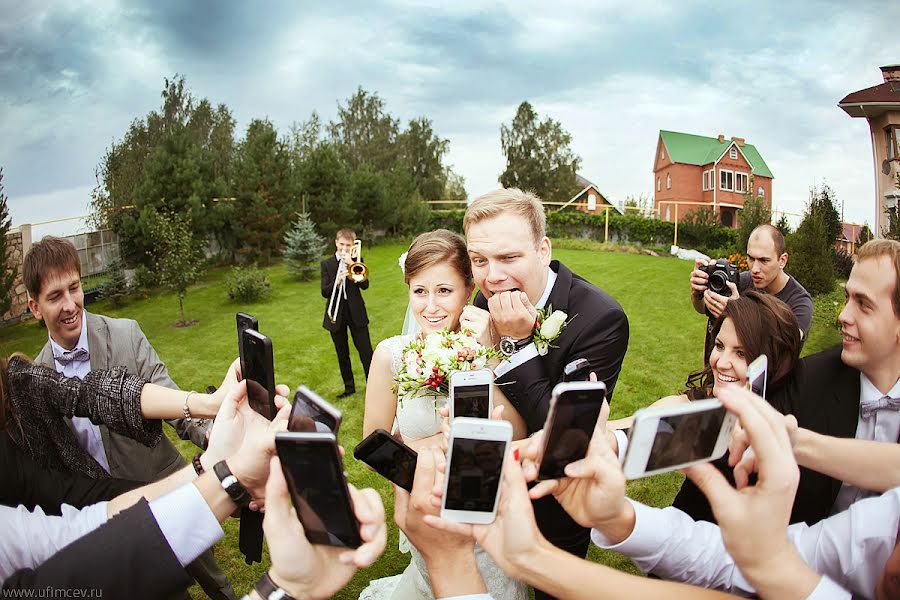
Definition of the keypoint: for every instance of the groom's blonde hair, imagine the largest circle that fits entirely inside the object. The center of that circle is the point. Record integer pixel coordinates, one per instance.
(512, 200)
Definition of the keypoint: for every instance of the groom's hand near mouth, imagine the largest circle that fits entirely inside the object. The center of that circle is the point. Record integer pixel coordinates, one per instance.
(512, 314)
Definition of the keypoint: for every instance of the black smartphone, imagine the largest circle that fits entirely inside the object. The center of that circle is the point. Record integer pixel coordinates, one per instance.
(310, 413)
(244, 321)
(258, 370)
(574, 408)
(315, 475)
(391, 458)
(577, 370)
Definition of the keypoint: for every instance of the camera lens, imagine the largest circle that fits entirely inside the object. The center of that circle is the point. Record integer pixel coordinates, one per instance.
(717, 283)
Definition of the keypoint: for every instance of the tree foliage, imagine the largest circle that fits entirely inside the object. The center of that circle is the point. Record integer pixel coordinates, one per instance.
(8, 272)
(824, 202)
(538, 156)
(756, 212)
(365, 134)
(783, 226)
(178, 262)
(115, 287)
(812, 250)
(304, 247)
(422, 152)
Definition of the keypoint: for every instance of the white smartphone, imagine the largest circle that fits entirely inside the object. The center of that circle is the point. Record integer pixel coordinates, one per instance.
(666, 439)
(475, 456)
(471, 394)
(757, 373)
(574, 408)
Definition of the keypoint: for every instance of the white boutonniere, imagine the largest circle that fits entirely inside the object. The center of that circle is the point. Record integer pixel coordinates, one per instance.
(548, 326)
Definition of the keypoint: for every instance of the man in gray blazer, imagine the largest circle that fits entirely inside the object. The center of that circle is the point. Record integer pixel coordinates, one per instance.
(80, 342)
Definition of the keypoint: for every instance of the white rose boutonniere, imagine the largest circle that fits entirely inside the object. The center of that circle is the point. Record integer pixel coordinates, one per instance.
(548, 326)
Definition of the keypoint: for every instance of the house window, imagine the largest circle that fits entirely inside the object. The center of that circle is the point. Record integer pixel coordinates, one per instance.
(668, 181)
(727, 218)
(726, 180)
(761, 192)
(741, 181)
(709, 180)
(733, 153)
(705, 180)
(592, 202)
(658, 184)
(892, 138)
(662, 152)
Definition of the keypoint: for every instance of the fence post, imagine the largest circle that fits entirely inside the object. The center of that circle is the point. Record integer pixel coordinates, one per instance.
(606, 228)
(676, 225)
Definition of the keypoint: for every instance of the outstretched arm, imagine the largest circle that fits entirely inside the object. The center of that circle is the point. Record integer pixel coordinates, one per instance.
(381, 402)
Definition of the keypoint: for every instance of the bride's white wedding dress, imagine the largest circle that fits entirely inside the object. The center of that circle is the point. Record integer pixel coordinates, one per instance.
(417, 418)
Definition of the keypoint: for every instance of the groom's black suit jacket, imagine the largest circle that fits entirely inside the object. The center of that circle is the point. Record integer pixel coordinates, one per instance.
(598, 332)
(823, 394)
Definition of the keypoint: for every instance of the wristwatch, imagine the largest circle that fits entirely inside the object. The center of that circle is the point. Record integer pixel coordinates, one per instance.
(237, 492)
(510, 345)
(269, 590)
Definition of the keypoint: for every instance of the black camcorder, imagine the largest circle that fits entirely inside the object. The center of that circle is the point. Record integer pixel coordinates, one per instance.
(719, 275)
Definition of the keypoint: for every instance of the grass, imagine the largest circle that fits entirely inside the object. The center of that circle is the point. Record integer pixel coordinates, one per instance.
(666, 344)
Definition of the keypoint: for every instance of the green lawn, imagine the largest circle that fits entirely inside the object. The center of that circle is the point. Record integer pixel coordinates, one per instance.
(666, 344)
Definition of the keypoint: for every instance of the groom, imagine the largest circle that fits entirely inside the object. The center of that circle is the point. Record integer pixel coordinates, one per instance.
(510, 255)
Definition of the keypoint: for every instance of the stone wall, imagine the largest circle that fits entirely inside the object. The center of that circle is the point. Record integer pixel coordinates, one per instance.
(19, 309)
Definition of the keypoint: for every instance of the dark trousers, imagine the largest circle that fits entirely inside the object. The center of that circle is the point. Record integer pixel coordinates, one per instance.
(342, 347)
(560, 530)
(209, 575)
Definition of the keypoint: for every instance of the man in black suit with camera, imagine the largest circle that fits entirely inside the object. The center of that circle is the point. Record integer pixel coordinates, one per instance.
(511, 264)
(345, 309)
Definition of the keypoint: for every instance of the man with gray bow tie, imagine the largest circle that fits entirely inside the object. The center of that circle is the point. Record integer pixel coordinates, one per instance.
(79, 342)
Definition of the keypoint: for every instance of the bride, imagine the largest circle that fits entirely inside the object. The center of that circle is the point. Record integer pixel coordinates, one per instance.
(439, 276)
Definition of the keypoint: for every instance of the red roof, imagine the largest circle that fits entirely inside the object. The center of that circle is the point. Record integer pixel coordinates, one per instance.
(885, 93)
(849, 234)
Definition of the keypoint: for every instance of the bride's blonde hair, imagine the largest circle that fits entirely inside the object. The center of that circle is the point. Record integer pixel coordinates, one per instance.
(437, 247)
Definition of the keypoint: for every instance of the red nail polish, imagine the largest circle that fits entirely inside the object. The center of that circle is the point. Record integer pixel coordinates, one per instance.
(516, 454)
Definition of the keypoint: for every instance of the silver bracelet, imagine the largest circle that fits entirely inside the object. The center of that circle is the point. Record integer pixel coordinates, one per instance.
(185, 409)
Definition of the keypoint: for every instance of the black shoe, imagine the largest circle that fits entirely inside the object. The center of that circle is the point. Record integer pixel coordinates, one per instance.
(346, 394)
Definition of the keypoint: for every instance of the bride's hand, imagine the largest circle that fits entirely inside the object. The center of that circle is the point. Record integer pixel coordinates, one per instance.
(479, 322)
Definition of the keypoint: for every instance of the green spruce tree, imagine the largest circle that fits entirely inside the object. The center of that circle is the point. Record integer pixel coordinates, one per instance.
(304, 247)
(7, 272)
(812, 248)
(115, 288)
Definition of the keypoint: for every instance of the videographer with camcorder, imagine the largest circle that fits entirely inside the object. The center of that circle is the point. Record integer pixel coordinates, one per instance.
(713, 284)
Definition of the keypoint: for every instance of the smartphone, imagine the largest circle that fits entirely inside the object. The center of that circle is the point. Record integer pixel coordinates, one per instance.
(475, 456)
(576, 370)
(318, 485)
(574, 408)
(666, 439)
(244, 321)
(391, 458)
(258, 370)
(471, 394)
(757, 373)
(310, 413)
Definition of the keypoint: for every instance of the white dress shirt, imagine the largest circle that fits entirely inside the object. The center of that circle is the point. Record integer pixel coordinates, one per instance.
(87, 434)
(881, 426)
(529, 351)
(30, 538)
(851, 548)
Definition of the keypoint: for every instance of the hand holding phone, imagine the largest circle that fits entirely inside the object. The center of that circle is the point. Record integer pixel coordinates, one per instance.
(670, 438)
(574, 409)
(391, 458)
(471, 394)
(757, 374)
(310, 413)
(244, 322)
(258, 370)
(577, 370)
(475, 457)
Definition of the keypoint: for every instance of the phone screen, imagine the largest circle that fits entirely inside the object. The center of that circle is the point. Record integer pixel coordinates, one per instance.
(306, 416)
(315, 478)
(257, 370)
(685, 438)
(575, 416)
(391, 459)
(471, 401)
(244, 321)
(474, 474)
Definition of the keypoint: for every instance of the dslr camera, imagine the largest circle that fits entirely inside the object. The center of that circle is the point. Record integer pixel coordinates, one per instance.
(719, 275)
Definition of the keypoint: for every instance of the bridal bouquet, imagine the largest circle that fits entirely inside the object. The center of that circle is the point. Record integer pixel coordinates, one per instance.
(428, 361)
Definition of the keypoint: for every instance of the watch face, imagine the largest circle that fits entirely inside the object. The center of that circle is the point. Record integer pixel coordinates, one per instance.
(507, 346)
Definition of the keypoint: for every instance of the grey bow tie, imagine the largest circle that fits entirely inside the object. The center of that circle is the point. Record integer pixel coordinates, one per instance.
(868, 407)
(76, 355)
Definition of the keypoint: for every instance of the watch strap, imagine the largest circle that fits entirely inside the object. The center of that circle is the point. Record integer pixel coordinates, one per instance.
(269, 590)
(524, 342)
(237, 492)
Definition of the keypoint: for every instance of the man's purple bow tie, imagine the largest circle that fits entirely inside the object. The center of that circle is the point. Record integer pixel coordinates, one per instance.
(868, 407)
(76, 355)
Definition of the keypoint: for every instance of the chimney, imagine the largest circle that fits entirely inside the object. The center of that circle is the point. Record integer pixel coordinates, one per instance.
(891, 73)
(739, 141)
(721, 139)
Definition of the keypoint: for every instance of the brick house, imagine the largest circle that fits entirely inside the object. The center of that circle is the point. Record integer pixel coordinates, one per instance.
(589, 199)
(695, 171)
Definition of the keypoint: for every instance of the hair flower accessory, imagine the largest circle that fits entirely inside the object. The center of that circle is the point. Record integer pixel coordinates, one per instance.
(402, 261)
(548, 326)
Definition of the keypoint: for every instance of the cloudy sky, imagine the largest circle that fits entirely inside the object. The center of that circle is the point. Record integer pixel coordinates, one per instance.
(74, 74)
